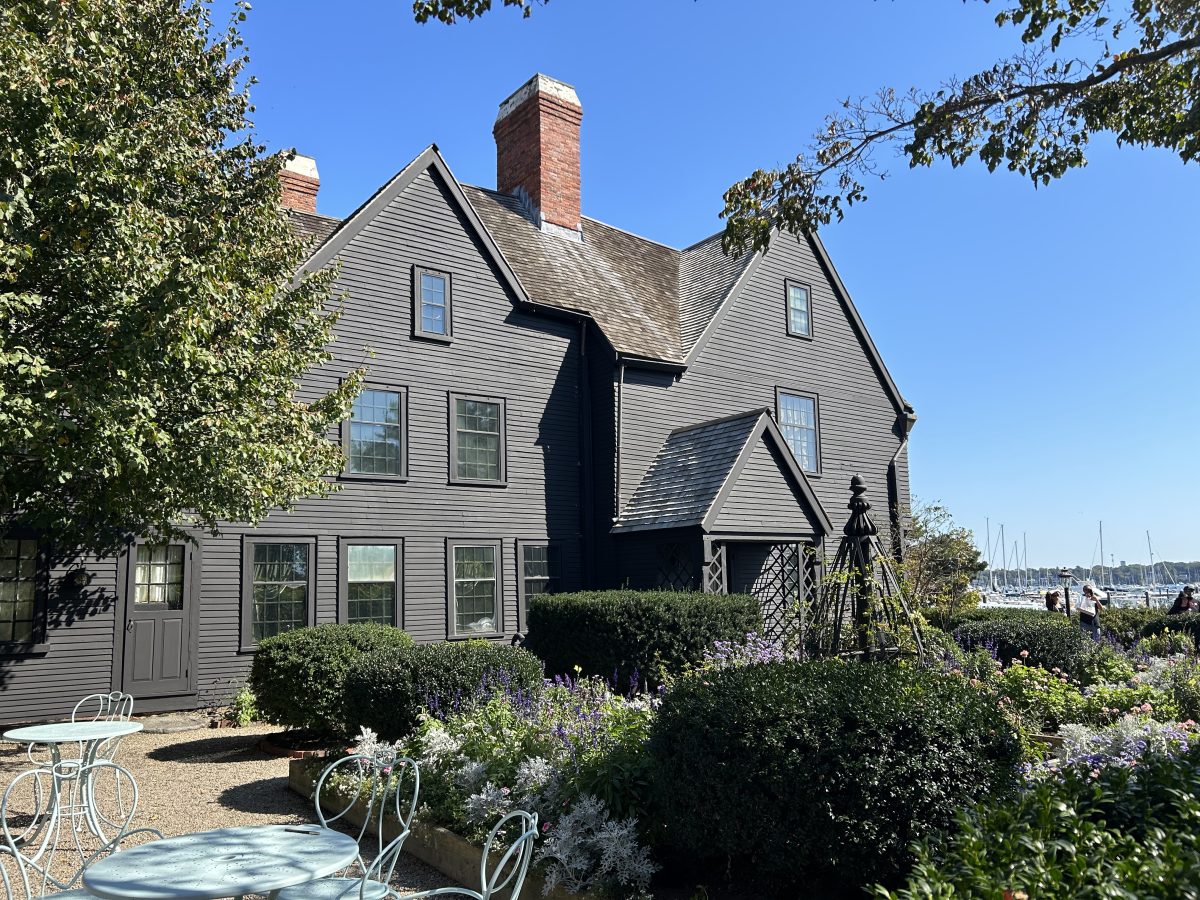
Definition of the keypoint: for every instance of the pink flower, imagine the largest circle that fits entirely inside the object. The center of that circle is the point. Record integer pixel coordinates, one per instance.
(1024, 653)
(1146, 707)
(504, 790)
(545, 827)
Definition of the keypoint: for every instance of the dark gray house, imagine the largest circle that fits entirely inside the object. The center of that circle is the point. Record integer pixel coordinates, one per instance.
(552, 403)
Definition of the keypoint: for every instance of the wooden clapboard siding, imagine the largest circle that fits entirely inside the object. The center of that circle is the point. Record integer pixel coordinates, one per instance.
(749, 355)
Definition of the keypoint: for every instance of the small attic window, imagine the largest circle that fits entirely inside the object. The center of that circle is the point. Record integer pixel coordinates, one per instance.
(799, 309)
(432, 306)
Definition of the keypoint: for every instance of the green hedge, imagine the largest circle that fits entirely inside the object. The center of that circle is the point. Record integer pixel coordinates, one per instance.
(386, 691)
(298, 677)
(1188, 623)
(1125, 625)
(1050, 640)
(810, 779)
(1126, 832)
(634, 634)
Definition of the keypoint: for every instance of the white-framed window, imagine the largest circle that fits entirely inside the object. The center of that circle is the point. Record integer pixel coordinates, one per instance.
(473, 582)
(797, 417)
(799, 308)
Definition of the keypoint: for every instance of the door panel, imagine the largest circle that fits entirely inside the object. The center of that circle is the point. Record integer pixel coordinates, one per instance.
(158, 620)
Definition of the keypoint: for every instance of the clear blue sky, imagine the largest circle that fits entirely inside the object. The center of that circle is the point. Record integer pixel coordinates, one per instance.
(1049, 339)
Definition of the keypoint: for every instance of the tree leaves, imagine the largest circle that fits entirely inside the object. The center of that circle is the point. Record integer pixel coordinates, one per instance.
(152, 341)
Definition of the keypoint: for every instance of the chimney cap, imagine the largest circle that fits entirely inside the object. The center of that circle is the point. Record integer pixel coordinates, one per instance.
(539, 84)
(302, 165)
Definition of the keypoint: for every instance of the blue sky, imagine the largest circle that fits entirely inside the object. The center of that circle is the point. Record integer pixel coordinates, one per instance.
(1049, 339)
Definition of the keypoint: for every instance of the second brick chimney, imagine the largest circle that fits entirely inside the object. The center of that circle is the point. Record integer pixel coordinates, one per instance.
(537, 151)
(299, 183)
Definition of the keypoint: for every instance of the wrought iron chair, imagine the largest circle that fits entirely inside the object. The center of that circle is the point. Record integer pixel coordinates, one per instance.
(116, 706)
(510, 869)
(375, 788)
(41, 818)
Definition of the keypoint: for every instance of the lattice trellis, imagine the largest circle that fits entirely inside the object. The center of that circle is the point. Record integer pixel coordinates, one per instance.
(785, 592)
(716, 571)
(674, 570)
(861, 610)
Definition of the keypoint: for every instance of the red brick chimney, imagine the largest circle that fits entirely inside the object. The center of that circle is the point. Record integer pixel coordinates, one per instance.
(299, 183)
(537, 150)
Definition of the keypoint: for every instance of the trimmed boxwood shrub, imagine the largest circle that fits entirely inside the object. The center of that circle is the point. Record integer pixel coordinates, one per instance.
(298, 677)
(1051, 640)
(1125, 625)
(386, 691)
(812, 779)
(628, 635)
(1124, 832)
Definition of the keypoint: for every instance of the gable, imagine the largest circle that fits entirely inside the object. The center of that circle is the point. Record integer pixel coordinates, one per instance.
(765, 498)
(756, 307)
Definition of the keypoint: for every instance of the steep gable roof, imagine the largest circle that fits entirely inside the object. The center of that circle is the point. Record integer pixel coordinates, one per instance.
(698, 467)
(652, 302)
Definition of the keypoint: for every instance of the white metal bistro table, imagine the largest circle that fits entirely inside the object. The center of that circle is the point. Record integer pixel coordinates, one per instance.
(227, 862)
(89, 736)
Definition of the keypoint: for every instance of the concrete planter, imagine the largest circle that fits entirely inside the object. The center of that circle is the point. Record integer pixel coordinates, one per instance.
(453, 856)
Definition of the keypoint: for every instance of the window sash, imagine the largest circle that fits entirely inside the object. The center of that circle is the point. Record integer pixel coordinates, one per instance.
(371, 583)
(799, 301)
(279, 588)
(798, 422)
(434, 306)
(20, 590)
(478, 439)
(375, 440)
(475, 589)
(158, 575)
(541, 569)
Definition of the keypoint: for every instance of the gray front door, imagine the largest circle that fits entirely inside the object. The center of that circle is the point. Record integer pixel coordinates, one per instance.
(157, 620)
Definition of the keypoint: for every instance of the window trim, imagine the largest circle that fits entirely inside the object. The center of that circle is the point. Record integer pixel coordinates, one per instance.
(344, 543)
(452, 427)
(787, 307)
(522, 599)
(346, 474)
(41, 599)
(451, 618)
(246, 626)
(417, 330)
(792, 392)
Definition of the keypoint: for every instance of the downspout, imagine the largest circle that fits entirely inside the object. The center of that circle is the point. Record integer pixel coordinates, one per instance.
(586, 500)
(617, 494)
(893, 482)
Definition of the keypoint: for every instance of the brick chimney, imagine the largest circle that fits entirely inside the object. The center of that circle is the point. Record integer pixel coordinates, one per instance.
(299, 182)
(537, 152)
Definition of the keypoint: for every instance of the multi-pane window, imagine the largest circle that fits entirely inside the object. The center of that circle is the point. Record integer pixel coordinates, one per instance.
(477, 439)
(475, 587)
(279, 588)
(376, 433)
(371, 583)
(541, 570)
(19, 577)
(799, 305)
(158, 575)
(432, 312)
(798, 422)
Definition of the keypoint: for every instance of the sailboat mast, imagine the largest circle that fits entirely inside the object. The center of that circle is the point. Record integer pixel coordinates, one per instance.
(1025, 557)
(1150, 547)
(1102, 553)
(1004, 547)
(991, 568)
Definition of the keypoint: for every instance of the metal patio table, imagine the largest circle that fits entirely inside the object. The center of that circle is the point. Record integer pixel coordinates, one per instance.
(89, 736)
(227, 862)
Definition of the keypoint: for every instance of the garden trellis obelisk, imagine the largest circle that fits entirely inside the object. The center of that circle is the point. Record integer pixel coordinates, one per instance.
(861, 611)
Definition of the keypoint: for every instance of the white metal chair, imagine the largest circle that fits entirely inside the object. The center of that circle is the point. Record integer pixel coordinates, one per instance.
(508, 874)
(41, 817)
(379, 787)
(116, 706)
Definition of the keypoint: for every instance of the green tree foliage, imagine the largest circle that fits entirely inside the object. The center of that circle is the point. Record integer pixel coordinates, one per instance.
(940, 559)
(151, 335)
(1081, 67)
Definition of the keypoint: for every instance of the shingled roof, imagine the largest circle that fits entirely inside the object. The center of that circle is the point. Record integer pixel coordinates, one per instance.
(695, 468)
(314, 228)
(649, 299)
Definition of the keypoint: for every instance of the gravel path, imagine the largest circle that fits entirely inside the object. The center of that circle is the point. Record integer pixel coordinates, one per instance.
(210, 778)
